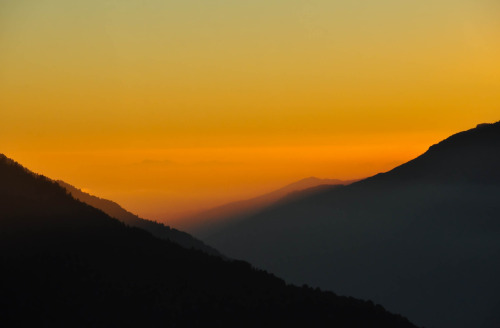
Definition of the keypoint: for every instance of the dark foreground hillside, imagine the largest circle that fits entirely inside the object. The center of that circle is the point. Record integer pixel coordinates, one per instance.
(66, 264)
(422, 239)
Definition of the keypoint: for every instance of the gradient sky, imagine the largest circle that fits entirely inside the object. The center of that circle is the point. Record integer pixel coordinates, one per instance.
(170, 106)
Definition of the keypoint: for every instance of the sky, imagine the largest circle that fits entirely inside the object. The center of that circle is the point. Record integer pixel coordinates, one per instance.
(170, 107)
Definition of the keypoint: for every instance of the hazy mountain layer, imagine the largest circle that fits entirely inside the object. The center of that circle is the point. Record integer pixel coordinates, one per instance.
(211, 221)
(422, 239)
(67, 264)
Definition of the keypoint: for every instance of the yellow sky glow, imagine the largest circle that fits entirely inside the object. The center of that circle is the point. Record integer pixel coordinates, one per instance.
(172, 106)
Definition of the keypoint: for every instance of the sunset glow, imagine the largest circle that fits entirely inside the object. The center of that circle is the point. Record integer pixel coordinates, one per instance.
(168, 107)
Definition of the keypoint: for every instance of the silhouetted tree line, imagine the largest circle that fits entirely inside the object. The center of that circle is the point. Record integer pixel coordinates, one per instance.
(157, 229)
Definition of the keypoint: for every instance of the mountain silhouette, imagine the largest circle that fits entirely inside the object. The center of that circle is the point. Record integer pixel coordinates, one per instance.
(422, 239)
(210, 221)
(64, 263)
(155, 228)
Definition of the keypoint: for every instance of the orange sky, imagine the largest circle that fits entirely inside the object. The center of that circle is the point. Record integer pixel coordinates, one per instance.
(168, 107)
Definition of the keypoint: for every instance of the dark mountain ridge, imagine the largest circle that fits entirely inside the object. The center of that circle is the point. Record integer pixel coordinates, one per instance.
(67, 264)
(423, 238)
(468, 156)
(157, 229)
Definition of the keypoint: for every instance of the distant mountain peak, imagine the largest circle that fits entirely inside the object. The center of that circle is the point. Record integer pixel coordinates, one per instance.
(213, 219)
(310, 179)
